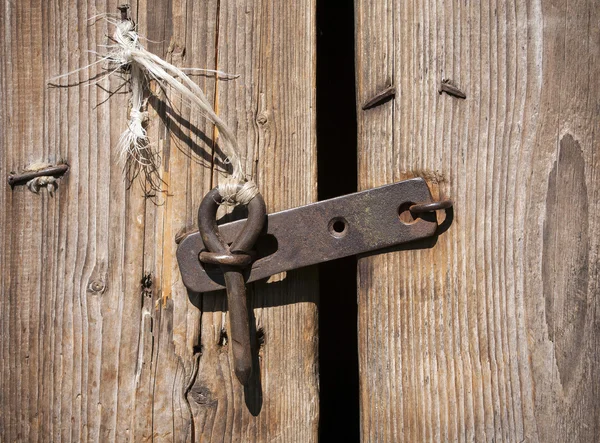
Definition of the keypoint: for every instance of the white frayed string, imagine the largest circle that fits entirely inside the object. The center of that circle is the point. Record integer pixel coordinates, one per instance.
(48, 181)
(134, 142)
(127, 52)
(231, 196)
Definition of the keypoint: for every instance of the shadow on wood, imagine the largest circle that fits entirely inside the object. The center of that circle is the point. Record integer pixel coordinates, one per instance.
(178, 126)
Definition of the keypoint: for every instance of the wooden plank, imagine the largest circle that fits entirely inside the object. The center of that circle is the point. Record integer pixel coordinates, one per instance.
(67, 261)
(492, 335)
(271, 46)
(88, 352)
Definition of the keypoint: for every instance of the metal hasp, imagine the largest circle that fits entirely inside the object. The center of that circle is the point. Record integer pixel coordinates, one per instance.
(353, 224)
(232, 260)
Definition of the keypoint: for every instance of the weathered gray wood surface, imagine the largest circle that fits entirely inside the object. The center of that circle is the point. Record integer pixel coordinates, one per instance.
(86, 353)
(493, 334)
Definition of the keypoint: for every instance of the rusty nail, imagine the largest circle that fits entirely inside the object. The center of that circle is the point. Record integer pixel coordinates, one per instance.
(24, 177)
(124, 12)
(452, 90)
(380, 98)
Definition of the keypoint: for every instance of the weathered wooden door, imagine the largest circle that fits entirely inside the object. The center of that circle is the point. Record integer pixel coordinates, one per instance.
(493, 334)
(100, 341)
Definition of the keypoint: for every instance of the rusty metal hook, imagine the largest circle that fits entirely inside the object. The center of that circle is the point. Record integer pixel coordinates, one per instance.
(430, 207)
(232, 260)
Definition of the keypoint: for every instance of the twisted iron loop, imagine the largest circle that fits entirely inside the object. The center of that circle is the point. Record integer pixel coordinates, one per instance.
(233, 259)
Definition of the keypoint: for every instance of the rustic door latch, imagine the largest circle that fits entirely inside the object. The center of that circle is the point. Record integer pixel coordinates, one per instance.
(261, 246)
(232, 258)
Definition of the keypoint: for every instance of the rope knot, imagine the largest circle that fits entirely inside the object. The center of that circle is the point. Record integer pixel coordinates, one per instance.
(235, 193)
(125, 57)
(138, 115)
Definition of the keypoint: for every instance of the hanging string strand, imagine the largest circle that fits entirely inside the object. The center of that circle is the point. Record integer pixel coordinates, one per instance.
(127, 54)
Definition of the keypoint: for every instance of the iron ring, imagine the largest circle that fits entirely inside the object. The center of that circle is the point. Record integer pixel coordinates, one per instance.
(224, 259)
(430, 207)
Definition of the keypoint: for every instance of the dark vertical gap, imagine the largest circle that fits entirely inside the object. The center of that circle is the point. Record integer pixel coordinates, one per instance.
(337, 175)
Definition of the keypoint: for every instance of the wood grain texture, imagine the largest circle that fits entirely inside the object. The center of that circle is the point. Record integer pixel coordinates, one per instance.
(89, 352)
(492, 335)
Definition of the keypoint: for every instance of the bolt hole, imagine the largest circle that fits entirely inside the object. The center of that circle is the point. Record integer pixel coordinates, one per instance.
(338, 227)
(405, 215)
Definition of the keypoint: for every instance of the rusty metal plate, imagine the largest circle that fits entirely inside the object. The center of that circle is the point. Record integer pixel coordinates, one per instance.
(352, 224)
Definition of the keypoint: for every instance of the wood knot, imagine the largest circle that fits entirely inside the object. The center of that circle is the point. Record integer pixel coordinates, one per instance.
(202, 395)
(96, 287)
(263, 118)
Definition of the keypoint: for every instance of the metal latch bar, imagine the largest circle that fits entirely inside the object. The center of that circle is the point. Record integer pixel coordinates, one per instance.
(352, 224)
